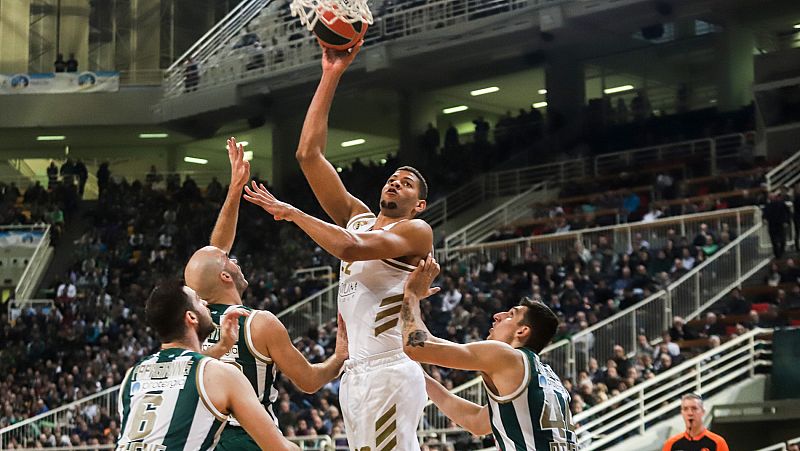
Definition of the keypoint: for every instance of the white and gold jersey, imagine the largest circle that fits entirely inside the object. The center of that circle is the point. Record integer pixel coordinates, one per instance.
(370, 298)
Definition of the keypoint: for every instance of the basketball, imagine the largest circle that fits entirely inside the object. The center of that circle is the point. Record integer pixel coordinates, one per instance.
(336, 33)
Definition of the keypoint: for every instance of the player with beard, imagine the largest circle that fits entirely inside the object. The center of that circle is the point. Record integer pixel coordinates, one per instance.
(179, 399)
(382, 391)
(262, 346)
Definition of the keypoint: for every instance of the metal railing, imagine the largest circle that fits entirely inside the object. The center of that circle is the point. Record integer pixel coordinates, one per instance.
(701, 149)
(784, 175)
(317, 272)
(639, 407)
(26, 432)
(217, 37)
(620, 237)
(502, 183)
(30, 277)
(714, 152)
(642, 405)
(687, 297)
(151, 77)
(296, 47)
(484, 226)
(312, 311)
(434, 419)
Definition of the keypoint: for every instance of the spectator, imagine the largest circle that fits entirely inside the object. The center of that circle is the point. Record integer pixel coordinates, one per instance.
(103, 176)
(776, 213)
(680, 331)
(451, 138)
(60, 65)
(737, 304)
(191, 75)
(72, 63)
(52, 175)
(712, 326)
(83, 174)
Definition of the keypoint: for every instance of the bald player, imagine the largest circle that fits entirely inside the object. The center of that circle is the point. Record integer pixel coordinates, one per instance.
(263, 344)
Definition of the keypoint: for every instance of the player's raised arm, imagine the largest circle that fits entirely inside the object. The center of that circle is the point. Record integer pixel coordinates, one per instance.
(236, 396)
(266, 328)
(224, 231)
(408, 238)
(466, 414)
(486, 356)
(320, 173)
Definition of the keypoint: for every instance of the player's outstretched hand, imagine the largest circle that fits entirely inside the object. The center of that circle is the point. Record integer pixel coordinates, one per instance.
(419, 282)
(229, 327)
(337, 61)
(341, 339)
(258, 194)
(240, 169)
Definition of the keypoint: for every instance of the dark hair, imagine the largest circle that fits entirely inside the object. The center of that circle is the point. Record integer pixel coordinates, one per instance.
(423, 185)
(542, 321)
(165, 308)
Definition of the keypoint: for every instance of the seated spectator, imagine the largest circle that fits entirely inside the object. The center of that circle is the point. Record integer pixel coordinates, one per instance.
(736, 303)
(680, 331)
(712, 326)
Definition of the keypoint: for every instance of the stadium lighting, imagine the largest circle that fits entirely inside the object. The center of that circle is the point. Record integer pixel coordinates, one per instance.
(339, 169)
(542, 91)
(539, 104)
(248, 155)
(354, 142)
(480, 92)
(195, 160)
(797, 26)
(51, 138)
(153, 135)
(455, 109)
(617, 89)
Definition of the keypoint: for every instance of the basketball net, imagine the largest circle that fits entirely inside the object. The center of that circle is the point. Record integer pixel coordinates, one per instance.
(349, 11)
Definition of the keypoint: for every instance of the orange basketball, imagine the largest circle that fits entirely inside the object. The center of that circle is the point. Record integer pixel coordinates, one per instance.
(338, 34)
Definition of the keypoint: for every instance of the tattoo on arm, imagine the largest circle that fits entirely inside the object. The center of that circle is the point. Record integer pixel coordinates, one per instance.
(417, 338)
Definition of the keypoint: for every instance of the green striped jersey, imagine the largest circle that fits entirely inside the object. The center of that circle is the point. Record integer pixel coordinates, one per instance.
(536, 416)
(259, 369)
(163, 405)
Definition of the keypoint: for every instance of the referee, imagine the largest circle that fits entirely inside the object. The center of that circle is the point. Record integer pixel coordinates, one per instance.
(696, 437)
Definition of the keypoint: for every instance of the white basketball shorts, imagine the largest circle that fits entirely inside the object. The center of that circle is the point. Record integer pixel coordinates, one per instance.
(382, 398)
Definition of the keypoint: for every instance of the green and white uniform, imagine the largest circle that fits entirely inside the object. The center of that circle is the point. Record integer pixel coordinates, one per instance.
(163, 405)
(259, 370)
(536, 416)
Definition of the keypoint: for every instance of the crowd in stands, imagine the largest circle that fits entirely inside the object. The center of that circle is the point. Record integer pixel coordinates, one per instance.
(52, 205)
(95, 331)
(646, 195)
(144, 230)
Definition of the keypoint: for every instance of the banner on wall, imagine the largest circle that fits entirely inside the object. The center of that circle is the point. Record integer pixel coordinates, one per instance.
(59, 83)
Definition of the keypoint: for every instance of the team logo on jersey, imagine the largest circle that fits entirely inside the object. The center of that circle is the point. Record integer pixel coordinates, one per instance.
(359, 224)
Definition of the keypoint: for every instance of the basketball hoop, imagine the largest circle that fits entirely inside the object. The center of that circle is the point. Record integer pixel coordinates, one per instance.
(349, 11)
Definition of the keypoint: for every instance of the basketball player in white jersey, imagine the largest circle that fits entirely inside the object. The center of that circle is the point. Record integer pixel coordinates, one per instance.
(179, 399)
(262, 345)
(528, 406)
(382, 393)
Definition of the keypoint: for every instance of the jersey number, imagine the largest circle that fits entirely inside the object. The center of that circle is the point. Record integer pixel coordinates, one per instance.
(145, 416)
(553, 415)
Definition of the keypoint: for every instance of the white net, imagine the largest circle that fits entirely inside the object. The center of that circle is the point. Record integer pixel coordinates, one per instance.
(349, 11)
